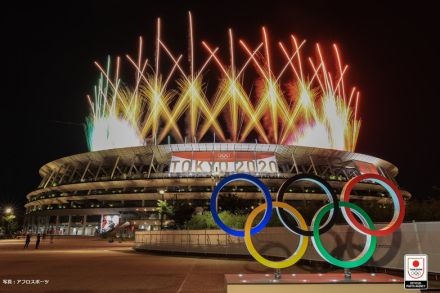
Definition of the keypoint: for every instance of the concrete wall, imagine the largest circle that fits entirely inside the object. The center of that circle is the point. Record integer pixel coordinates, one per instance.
(342, 241)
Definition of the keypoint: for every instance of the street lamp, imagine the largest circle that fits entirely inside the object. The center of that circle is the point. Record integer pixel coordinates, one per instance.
(9, 217)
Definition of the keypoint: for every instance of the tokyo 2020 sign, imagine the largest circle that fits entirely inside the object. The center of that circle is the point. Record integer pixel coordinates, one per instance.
(334, 208)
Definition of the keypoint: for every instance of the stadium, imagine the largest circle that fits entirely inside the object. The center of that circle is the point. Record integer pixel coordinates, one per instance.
(79, 193)
(289, 115)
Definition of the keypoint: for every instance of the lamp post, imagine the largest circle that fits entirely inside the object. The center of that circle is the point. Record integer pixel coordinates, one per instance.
(162, 207)
(9, 216)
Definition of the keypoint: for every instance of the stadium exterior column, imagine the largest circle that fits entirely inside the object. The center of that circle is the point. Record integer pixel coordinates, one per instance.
(32, 224)
(57, 225)
(84, 224)
(68, 225)
(25, 222)
(46, 224)
(38, 225)
(43, 224)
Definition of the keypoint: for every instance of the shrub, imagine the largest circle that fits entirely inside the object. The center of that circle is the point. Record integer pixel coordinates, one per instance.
(206, 221)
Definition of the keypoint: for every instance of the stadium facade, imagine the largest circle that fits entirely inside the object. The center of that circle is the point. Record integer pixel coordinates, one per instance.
(91, 193)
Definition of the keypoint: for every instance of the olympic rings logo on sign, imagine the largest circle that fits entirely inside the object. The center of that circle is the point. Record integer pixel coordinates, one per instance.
(223, 156)
(335, 207)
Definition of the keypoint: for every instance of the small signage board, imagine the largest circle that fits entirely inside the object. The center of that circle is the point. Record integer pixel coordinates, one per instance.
(416, 271)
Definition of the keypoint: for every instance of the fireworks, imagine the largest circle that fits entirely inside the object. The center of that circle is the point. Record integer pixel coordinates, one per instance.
(301, 104)
(113, 121)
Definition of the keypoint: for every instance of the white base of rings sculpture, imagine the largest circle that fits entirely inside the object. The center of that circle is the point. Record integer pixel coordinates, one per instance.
(313, 282)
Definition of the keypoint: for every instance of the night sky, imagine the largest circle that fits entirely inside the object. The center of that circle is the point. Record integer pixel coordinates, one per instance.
(49, 49)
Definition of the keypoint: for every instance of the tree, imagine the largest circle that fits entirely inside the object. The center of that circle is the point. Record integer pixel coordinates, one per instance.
(182, 212)
(234, 204)
(163, 208)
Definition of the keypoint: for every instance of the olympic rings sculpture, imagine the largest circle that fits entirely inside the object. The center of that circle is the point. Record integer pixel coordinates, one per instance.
(335, 207)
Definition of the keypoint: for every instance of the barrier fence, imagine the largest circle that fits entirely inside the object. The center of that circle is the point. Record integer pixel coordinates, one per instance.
(341, 241)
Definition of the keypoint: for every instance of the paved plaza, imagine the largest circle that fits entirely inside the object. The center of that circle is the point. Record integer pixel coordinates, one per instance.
(94, 265)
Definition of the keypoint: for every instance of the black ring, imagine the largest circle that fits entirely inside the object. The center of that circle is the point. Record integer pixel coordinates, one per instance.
(285, 215)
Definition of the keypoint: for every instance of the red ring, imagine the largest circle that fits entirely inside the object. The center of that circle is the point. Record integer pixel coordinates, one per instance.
(393, 225)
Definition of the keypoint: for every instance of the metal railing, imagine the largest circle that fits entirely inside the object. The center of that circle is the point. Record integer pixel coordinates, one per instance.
(190, 241)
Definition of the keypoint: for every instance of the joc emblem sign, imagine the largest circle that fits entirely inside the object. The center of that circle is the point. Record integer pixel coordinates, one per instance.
(416, 271)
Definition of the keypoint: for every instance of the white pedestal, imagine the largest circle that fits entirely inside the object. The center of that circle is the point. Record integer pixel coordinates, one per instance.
(313, 283)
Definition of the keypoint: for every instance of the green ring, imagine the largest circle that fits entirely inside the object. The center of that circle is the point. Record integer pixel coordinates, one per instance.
(370, 245)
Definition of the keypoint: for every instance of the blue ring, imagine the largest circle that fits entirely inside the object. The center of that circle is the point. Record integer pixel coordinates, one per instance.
(251, 179)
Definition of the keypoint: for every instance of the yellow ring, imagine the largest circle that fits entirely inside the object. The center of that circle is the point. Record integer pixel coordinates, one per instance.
(296, 256)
